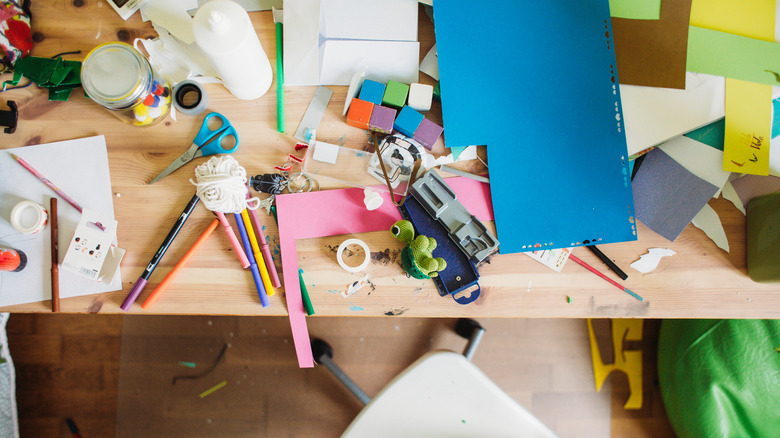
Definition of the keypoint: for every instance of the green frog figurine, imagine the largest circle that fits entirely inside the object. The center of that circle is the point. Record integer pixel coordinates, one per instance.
(417, 257)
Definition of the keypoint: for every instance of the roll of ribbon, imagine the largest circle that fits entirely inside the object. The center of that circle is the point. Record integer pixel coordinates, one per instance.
(29, 217)
(190, 98)
(340, 255)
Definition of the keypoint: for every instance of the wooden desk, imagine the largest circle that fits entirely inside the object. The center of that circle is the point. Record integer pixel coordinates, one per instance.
(701, 281)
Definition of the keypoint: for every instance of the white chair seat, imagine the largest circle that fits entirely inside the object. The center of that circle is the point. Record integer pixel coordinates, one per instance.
(443, 394)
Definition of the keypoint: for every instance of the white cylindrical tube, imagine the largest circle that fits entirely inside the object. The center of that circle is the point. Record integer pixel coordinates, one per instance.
(225, 33)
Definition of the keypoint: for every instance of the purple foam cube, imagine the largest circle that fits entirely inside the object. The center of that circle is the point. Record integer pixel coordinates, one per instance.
(427, 133)
(382, 119)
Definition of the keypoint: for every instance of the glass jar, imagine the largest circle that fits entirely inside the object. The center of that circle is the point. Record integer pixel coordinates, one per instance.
(120, 78)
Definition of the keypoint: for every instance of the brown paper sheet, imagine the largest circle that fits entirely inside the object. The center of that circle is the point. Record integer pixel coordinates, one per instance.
(653, 52)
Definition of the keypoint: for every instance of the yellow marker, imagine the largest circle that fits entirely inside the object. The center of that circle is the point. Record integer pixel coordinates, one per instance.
(214, 388)
(269, 288)
(630, 362)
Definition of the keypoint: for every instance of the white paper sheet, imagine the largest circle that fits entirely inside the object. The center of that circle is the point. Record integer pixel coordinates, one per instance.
(80, 169)
(653, 115)
(730, 194)
(326, 41)
(383, 61)
(702, 160)
(708, 221)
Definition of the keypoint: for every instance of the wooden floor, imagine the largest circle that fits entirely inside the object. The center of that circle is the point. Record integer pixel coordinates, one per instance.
(68, 366)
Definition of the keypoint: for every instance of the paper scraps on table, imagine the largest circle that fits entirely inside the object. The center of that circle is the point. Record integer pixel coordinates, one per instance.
(355, 286)
(636, 9)
(728, 193)
(701, 160)
(648, 262)
(708, 221)
(711, 135)
(654, 115)
(667, 196)
(554, 259)
(430, 64)
(589, 196)
(774, 143)
(733, 56)
(747, 104)
(750, 186)
(653, 52)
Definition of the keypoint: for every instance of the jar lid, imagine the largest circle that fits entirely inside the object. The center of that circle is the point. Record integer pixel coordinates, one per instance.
(112, 74)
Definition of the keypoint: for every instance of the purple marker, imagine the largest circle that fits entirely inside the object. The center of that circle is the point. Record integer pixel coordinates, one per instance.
(139, 285)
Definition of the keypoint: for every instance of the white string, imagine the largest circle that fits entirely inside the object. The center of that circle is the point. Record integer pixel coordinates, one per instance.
(221, 185)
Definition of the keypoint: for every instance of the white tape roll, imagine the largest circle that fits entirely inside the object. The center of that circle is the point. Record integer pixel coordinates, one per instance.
(29, 217)
(340, 255)
(190, 98)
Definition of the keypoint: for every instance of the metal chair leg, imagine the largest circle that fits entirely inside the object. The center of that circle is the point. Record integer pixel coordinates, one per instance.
(323, 354)
(469, 329)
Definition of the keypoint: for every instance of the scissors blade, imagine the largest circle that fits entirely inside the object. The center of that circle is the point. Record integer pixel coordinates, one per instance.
(177, 163)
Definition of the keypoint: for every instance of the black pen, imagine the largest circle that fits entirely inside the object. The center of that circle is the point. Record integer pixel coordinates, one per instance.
(139, 285)
(610, 264)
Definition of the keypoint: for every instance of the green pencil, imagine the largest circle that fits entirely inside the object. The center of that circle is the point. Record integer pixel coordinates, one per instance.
(278, 18)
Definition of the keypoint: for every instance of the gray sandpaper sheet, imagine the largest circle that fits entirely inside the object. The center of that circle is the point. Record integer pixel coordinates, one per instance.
(667, 196)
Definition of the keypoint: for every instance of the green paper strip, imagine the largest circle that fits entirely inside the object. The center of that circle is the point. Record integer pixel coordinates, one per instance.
(635, 9)
(733, 56)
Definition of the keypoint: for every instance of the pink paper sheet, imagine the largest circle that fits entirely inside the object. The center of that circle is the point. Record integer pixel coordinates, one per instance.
(335, 212)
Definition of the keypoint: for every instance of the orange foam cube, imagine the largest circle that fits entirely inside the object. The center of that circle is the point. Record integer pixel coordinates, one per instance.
(359, 113)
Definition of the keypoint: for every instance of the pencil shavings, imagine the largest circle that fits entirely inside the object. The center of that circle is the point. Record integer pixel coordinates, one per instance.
(648, 262)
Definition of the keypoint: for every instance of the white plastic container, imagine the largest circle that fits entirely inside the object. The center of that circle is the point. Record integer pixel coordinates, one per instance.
(224, 32)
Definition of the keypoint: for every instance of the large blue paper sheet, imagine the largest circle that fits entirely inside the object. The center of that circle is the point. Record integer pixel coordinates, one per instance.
(537, 82)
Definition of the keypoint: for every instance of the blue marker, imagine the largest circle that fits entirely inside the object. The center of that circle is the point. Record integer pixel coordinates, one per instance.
(252, 262)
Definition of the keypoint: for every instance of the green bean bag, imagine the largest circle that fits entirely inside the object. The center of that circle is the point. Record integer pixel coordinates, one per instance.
(721, 378)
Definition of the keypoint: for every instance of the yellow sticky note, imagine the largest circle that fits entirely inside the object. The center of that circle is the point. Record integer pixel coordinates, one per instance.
(748, 127)
(752, 19)
(748, 105)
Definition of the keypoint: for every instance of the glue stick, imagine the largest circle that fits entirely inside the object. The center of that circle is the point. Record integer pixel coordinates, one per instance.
(12, 260)
(224, 32)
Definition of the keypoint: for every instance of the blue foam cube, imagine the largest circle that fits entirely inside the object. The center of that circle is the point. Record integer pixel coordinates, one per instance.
(407, 121)
(372, 91)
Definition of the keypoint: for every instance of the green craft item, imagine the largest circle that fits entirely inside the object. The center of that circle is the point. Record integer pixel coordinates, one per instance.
(59, 76)
(417, 257)
(395, 94)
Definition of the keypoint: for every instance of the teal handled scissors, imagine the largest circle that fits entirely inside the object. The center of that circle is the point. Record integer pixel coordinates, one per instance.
(207, 142)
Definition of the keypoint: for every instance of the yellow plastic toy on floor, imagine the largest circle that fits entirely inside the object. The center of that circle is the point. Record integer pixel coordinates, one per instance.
(629, 362)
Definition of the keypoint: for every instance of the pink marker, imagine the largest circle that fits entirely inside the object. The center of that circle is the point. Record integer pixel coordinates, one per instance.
(269, 261)
(233, 240)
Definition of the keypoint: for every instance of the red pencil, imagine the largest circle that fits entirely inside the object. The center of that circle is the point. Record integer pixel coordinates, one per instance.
(593, 270)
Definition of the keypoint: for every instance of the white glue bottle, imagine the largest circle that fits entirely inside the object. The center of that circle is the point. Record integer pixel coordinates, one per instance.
(224, 32)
